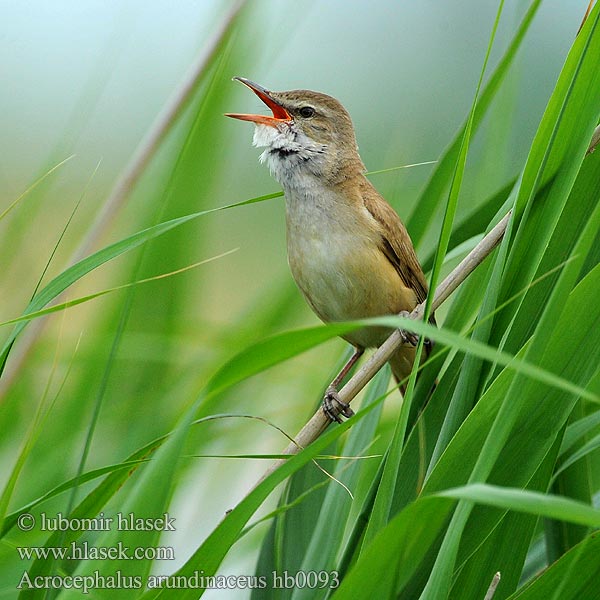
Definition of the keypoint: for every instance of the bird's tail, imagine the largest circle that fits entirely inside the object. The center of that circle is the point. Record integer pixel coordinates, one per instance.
(402, 363)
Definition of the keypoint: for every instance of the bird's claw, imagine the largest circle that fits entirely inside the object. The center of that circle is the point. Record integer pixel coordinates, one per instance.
(408, 337)
(333, 406)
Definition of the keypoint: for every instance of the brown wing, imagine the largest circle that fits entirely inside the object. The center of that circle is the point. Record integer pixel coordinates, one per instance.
(399, 250)
(397, 245)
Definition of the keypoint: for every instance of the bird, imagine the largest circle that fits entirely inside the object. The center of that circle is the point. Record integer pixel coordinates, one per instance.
(348, 251)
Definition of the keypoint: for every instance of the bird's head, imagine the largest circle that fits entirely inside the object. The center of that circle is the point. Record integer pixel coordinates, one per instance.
(308, 133)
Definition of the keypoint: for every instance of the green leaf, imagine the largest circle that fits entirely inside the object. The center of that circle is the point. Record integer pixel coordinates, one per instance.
(537, 426)
(433, 194)
(35, 184)
(385, 493)
(77, 301)
(211, 552)
(476, 221)
(575, 431)
(11, 519)
(68, 277)
(331, 520)
(573, 577)
(585, 450)
(396, 552)
(562, 139)
(542, 505)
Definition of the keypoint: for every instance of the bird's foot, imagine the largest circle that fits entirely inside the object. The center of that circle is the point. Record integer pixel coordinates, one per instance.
(408, 337)
(333, 406)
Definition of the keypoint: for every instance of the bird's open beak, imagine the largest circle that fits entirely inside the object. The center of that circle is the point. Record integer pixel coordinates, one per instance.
(279, 113)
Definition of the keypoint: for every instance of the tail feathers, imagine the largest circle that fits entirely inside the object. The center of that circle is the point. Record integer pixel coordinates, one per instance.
(402, 362)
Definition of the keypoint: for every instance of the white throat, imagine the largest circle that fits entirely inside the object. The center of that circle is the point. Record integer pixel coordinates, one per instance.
(294, 159)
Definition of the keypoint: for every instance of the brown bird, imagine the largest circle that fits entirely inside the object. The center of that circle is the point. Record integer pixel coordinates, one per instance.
(348, 250)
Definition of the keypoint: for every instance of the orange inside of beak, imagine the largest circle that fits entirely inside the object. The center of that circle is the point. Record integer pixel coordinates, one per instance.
(279, 113)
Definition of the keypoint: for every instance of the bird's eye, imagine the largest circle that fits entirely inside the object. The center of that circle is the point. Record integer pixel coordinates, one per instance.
(307, 112)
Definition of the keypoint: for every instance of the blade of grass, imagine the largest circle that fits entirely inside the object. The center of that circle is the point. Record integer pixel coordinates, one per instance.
(575, 431)
(35, 184)
(212, 551)
(433, 193)
(573, 577)
(581, 75)
(83, 299)
(541, 505)
(37, 423)
(32, 435)
(327, 534)
(282, 346)
(385, 493)
(395, 553)
(499, 549)
(589, 447)
(88, 264)
(476, 221)
(466, 387)
(143, 155)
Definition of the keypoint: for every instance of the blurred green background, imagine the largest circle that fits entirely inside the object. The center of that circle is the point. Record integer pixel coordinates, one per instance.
(88, 79)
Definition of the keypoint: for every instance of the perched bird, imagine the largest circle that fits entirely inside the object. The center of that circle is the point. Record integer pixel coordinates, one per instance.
(348, 250)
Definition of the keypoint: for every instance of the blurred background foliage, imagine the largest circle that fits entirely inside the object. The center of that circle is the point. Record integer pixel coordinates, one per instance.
(88, 79)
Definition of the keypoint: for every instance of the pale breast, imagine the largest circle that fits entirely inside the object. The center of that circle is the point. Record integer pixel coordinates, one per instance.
(336, 261)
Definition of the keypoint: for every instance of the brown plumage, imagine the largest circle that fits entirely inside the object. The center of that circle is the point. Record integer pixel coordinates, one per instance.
(348, 250)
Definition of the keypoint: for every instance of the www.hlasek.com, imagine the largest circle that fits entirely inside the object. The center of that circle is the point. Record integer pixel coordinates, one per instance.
(199, 581)
(86, 551)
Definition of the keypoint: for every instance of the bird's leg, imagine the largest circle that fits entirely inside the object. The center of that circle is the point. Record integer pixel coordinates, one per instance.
(333, 407)
(407, 336)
